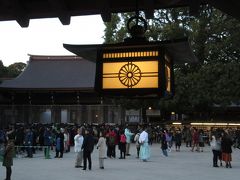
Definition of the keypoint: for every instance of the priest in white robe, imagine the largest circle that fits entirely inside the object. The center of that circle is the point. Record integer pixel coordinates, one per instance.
(144, 148)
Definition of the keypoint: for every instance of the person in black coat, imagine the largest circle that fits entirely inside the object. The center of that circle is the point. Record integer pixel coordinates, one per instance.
(164, 145)
(226, 146)
(59, 143)
(178, 140)
(87, 147)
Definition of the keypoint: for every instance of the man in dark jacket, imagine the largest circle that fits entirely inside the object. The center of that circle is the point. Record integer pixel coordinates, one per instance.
(28, 141)
(88, 145)
(59, 143)
(47, 142)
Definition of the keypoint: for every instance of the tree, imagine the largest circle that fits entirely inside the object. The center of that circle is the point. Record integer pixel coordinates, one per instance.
(12, 70)
(3, 70)
(15, 69)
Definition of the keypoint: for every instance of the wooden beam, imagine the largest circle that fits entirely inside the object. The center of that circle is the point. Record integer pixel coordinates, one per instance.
(106, 16)
(5, 3)
(23, 21)
(58, 4)
(17, 10)
(148, 6)
(65, 18)
(105, 10)
(20, 12)
(23, 10)
(61, 9)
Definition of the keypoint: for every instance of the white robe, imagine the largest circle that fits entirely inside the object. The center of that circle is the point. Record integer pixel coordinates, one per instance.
(78, 141)
(143, 137)
(144, 148)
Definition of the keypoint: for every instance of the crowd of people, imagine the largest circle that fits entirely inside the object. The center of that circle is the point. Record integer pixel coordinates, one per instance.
(108, 138)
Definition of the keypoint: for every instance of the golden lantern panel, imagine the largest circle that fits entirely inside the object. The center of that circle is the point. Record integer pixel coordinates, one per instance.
(137, 74)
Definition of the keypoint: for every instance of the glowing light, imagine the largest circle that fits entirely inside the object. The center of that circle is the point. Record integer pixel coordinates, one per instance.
(122, 75)
(130, 54)
(176, 123)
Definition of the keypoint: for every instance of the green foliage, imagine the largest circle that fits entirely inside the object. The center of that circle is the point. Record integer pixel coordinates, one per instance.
(12, 70)
(3, 69)
(116, 30)
(15, 69)
(212, 84)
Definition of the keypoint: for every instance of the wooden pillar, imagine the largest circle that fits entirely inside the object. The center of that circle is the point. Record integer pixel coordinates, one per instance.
(56, 114)
(105, 114)
(89, 114)
(84, 114)
(78, 114)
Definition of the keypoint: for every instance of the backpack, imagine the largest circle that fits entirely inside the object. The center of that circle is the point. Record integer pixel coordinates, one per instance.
(123, 138)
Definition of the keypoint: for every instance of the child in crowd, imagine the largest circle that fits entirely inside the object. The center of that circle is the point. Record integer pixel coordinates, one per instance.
(122, 145)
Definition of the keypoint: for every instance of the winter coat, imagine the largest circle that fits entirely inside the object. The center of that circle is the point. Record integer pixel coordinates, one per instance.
(178, 138)
(59, 142)
(164, 144)
(195, 137)
(28, 139)
(128, 135)
(47, 138)
(112, 138)
(215, 144)
(88, 143)
(19, 137)
(226, 144)
(9, 153)
(136, 138)
(122, 143)
(101, 145)
(188, 135)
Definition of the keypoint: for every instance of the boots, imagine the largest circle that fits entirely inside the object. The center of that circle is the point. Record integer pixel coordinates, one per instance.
(8, 173)
(229, 165)
(226, 165)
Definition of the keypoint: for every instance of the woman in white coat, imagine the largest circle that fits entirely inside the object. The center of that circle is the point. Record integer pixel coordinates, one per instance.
(78, 141)
(101, 146)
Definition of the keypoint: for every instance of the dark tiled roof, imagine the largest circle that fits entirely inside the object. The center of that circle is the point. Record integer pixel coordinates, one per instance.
(55, 72)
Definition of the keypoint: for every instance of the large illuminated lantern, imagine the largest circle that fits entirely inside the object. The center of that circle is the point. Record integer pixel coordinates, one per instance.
(136, 67)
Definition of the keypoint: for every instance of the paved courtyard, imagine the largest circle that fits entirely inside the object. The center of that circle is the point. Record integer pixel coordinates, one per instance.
(184, 165)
